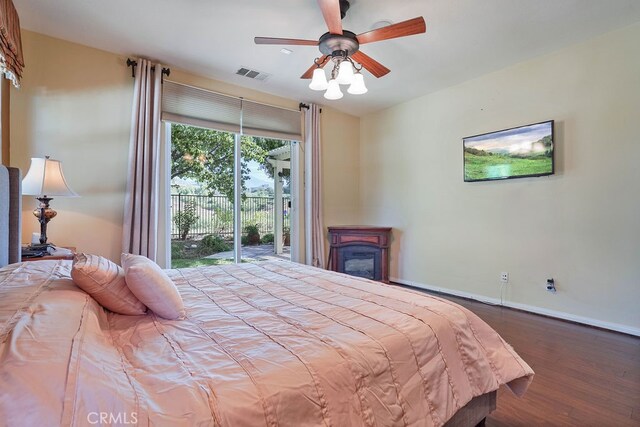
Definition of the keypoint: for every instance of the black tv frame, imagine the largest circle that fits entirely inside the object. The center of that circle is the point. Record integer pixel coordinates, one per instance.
(553, 154)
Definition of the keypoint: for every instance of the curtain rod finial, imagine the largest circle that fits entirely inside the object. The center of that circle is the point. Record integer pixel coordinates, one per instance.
(133, 64)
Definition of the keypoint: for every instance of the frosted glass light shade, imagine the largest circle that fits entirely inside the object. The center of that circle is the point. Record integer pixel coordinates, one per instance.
(45, 178)
(345, 73)
(333, 91)
(319, 80)
(357, 87)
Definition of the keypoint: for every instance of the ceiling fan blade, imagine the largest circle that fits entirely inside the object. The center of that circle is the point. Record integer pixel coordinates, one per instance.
(331, 13)
(276, 40)
(370, 64)
(401, 29)
(309, 73)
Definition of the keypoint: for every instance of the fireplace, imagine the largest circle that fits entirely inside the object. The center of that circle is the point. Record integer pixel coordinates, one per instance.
(360, 251)
(361, 261)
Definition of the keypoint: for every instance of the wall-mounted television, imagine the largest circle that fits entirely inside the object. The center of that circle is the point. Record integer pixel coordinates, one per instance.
(518, 152)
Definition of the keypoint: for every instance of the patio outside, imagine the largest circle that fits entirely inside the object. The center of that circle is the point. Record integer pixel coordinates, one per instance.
(202, 208)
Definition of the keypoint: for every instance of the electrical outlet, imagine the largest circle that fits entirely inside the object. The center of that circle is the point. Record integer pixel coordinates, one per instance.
(551, 285)
(504, 277)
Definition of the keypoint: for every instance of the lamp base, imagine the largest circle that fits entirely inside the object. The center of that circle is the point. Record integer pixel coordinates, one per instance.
(44, 214)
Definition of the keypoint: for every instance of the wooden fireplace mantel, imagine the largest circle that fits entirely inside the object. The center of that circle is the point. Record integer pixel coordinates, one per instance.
(341, 237)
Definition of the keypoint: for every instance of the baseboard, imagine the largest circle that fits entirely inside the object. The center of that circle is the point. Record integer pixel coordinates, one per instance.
(525, 307)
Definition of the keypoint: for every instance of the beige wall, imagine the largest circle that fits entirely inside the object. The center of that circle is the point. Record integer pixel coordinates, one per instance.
(341, 153)
(75, 105)
(580, 226)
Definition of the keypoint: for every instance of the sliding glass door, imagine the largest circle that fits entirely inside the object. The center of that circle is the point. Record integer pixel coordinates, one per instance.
(230, 172)
(228, 206)
(202, 196)
(266, 202)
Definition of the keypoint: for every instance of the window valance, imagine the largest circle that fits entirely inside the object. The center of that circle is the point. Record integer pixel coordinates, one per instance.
(11, 60)
(204, 108)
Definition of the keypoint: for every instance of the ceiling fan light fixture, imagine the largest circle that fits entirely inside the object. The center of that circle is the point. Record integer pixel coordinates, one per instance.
(319, 80)
(357, 87)
(342, 47)
(345, 73)
(333, 90)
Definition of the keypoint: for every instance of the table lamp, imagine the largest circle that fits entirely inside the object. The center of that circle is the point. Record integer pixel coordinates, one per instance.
(45, 179)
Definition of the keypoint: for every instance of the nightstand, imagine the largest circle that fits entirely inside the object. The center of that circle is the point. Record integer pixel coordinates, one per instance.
(62, 252)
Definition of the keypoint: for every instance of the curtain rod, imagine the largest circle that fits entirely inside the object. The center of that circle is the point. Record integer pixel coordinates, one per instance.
(232, 96)
(132, 63)
(306, 107)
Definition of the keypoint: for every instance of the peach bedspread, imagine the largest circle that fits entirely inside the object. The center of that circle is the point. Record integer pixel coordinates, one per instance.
(273, 343)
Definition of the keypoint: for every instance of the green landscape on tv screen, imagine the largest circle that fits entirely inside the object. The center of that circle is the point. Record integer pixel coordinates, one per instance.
(510, 153)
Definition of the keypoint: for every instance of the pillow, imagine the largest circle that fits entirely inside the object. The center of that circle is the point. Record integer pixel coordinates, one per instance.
(151, 285)
(104, 281)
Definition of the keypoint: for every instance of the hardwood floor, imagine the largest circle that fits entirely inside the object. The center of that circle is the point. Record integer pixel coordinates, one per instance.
(584, 376)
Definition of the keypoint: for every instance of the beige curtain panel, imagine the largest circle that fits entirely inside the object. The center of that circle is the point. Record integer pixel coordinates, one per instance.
(11, 60)
(140, 227)
(314, 222)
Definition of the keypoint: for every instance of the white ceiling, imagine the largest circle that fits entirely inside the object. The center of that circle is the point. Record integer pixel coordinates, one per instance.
(464, 39)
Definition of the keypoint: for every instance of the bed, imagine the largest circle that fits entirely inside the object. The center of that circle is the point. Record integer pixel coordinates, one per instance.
(271, 343)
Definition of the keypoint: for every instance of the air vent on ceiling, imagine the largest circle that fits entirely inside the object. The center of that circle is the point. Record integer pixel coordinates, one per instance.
(253, 74)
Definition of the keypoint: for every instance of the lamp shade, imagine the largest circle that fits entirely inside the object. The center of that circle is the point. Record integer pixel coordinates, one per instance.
(45, 178)
(319, 80)
(357, 87)
(345, 73)
(333, 91)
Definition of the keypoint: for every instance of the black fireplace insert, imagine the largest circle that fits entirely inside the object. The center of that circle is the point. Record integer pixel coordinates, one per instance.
(361, 260)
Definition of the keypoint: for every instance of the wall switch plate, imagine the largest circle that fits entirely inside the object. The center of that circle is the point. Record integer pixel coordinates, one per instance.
(504, 277)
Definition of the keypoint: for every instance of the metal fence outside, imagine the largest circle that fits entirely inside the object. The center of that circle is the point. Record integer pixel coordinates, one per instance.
(215, 214)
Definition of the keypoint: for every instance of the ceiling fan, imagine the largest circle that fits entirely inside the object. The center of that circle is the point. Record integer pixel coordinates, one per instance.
(343, 48)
